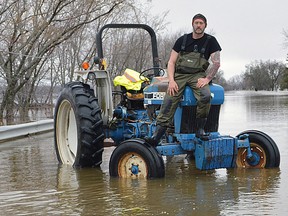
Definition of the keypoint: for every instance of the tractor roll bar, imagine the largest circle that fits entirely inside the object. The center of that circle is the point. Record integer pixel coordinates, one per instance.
(143, 26)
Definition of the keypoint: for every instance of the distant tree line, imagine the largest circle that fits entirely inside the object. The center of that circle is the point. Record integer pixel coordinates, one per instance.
(43, 43)
(259, 75)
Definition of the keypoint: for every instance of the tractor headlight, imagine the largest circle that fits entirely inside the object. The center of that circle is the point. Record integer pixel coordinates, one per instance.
(91, 76)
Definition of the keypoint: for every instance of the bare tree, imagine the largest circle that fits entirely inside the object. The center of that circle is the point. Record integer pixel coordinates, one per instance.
(235, 83)
(261, 75)
(30, 32)
(130, 48)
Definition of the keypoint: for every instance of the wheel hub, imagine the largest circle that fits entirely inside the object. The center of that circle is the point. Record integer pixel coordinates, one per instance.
(132, 165)
(254, 160)
(257, 160)
(135, 169)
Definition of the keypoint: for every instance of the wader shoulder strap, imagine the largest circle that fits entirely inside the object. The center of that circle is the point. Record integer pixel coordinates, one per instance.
(184, 42)
(205, 44)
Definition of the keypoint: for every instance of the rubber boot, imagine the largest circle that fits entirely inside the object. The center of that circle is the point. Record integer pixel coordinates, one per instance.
(157, 135)
(200, 132)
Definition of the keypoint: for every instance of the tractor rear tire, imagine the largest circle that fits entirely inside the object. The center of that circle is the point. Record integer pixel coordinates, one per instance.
(136, 159)
(263, 146)
(78, 127)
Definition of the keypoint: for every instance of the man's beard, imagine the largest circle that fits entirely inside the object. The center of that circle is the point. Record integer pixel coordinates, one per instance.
(198, 31)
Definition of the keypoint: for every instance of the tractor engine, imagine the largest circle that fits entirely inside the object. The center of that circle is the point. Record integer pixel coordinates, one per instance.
(130, 118)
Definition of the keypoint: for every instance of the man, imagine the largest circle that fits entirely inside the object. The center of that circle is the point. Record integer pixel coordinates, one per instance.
(188, 65)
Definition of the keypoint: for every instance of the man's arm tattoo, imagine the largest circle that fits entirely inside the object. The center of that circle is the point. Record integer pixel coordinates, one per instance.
(214, 66)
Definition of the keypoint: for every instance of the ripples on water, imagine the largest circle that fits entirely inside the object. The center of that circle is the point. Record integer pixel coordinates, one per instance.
(32, 182)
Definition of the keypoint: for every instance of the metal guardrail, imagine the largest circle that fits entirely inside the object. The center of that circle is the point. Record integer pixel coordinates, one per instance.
(20, 130)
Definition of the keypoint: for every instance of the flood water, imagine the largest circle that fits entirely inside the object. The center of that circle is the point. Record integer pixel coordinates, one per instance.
(32, 182)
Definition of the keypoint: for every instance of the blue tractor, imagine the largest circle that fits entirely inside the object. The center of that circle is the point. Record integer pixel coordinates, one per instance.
(85, 117)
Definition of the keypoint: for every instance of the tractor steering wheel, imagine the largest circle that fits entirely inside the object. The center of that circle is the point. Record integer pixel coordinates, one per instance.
(150, 73)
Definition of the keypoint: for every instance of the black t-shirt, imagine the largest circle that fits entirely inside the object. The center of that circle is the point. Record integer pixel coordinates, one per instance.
(192, 44)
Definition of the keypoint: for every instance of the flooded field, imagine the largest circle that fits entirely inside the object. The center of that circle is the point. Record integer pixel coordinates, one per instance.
(33, 183)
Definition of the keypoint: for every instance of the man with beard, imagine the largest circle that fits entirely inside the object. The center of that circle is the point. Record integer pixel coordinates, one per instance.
(194, 61)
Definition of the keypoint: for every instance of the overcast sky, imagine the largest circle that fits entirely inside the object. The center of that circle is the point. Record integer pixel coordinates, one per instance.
(247, 30)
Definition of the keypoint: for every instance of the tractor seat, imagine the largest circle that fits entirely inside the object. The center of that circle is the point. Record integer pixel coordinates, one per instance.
(134, 94)
(132, 84)
(138, 96)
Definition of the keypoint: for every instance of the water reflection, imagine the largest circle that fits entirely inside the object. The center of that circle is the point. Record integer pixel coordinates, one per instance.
(256, 192)
(32, 181)
(91, 191)
(34, 114)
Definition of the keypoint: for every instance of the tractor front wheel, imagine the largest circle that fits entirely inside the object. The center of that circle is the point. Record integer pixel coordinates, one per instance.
(136, 159)
(265, 152)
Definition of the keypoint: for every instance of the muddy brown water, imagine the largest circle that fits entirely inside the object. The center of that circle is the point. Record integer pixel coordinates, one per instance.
(33, 183)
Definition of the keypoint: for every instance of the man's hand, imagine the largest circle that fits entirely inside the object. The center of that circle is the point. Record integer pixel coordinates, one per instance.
(202, 82)
(172, 88)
